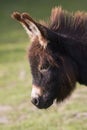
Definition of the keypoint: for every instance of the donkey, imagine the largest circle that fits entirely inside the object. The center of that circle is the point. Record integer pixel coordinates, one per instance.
(57, 56)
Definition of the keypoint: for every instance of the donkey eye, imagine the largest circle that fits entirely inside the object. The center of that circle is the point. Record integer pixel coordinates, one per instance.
(45, 67)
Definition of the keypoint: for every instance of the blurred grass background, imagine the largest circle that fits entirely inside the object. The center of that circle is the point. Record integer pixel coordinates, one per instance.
(16, 110)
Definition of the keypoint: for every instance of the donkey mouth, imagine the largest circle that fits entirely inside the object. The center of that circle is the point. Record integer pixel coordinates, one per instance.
(43, 104)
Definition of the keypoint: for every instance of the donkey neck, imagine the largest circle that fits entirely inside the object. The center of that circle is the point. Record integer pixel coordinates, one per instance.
(77, 51)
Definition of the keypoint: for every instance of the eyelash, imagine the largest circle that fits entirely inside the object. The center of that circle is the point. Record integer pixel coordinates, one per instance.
(44, 68)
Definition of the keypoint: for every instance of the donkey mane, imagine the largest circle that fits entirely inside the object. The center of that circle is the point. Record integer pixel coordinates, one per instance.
(73, 25)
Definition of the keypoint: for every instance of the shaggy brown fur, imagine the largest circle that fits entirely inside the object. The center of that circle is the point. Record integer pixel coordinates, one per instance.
(73, 25)
(58, 54)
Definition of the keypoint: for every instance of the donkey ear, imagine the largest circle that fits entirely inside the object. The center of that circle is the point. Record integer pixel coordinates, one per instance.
(33, 29)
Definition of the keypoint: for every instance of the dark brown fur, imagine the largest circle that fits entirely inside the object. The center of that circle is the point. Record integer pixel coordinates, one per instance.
(59, 48)
(73, 25)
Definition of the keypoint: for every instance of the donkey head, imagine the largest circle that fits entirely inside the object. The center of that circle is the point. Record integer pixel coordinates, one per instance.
(52, 72)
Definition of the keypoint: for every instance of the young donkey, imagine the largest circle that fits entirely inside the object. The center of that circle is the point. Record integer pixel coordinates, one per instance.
(57, 56)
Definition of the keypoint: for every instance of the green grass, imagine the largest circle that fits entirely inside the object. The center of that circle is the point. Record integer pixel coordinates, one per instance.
(16, 110)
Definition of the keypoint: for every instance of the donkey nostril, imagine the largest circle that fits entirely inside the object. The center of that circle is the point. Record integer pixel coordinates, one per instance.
(35, 101)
